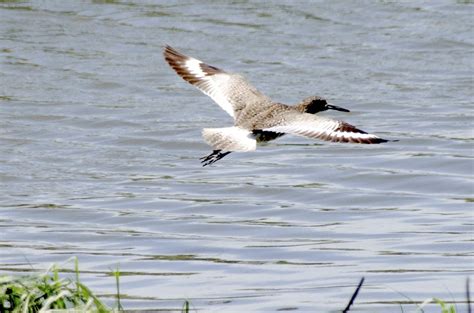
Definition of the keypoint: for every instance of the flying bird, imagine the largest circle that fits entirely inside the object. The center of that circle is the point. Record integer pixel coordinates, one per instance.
(256, 117)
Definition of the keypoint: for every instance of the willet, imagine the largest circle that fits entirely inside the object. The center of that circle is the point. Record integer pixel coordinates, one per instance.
(256, 117)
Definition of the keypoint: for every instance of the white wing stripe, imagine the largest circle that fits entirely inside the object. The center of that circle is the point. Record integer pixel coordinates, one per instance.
(321, 128)
(208, 86)
(194, 67)
(353, 135)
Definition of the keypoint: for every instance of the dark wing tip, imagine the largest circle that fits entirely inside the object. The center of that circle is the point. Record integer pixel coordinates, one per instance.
(375, 140)
(350, 129)
(178, 60)
(171, 55)
(354, 139)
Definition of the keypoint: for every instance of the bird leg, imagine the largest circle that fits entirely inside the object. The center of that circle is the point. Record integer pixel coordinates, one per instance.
(215, 156)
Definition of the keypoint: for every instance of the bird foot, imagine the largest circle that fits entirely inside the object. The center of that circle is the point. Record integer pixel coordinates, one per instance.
(215, 156)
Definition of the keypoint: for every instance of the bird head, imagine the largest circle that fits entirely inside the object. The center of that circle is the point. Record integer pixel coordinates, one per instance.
(317, 104)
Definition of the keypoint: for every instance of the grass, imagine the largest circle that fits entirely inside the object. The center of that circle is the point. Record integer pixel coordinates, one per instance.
(47, 291)
(444, 307)
(116, 274)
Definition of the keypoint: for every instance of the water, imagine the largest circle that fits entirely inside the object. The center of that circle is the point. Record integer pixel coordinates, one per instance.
(100, 142)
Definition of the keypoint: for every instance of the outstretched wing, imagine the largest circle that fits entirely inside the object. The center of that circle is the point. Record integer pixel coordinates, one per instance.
(317, 127)
(231, 92)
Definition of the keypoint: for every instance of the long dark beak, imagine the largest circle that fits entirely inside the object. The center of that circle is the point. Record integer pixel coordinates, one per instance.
(334, 107)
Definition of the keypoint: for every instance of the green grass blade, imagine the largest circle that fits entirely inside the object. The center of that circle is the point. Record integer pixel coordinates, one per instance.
(76, 270)
(116, 274)
(445, 308)
(101, 307)
(185, 308)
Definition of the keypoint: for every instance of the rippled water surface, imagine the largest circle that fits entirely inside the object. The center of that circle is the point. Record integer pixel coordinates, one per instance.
(100, 142)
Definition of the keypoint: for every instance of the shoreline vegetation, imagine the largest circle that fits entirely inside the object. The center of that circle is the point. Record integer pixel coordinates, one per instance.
(48, 292)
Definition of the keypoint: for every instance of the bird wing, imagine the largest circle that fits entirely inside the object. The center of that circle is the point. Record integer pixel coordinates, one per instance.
(231, 92)
(230, 139)
(317, 127)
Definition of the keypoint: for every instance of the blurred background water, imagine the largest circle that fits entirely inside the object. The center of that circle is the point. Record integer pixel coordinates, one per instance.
(100, 140)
